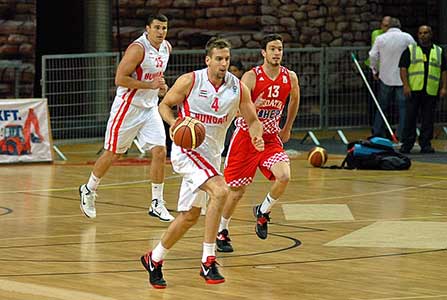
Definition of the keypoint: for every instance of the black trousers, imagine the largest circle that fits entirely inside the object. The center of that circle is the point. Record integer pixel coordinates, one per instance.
(425, 105)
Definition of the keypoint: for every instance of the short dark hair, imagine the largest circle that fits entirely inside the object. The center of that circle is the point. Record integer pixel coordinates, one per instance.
(268, 38)
(216, 43)
(159, 17)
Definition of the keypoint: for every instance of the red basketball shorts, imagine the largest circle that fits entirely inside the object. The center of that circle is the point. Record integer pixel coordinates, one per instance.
(243, 159)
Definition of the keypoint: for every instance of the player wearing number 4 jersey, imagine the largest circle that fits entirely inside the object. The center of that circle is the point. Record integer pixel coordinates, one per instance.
(134, 114)
(213, 96)
(270, 85)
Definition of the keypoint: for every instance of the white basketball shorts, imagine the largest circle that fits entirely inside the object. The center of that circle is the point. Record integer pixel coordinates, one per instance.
(127, 122)
(195, 170)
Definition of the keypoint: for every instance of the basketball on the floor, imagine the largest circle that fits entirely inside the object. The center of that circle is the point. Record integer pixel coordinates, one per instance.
(317, 156)
(188, 133)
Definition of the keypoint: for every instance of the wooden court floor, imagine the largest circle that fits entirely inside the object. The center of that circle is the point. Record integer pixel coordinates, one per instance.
(335, 234)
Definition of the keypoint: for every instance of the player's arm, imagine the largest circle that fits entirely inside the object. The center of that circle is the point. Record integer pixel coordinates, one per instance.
(175, 96)
(294, 104)
(249, 79)
(248, 112)
(132, 58)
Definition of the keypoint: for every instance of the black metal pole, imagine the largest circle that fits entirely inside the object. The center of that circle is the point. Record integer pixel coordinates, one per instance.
(118, 35)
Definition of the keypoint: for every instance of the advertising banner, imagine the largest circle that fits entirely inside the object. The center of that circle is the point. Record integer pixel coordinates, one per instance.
(25, 134)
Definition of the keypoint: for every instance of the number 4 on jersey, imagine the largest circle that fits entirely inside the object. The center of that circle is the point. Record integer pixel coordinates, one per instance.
(215, 104)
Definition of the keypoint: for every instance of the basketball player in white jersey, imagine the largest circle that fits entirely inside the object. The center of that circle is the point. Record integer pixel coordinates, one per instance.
(212, 95)
(134, 114)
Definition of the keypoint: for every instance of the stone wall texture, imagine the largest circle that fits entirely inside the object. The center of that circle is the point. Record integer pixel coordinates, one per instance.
(302, 23)
(17, 43)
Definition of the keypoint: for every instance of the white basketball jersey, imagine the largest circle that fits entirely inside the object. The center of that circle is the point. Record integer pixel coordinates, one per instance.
(215, 107)
(152, 66)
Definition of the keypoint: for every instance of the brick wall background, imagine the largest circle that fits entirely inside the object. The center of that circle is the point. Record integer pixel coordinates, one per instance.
(303, 23)
(17, 42)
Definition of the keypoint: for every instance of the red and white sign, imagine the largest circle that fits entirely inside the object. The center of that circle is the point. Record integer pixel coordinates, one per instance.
(25, 134)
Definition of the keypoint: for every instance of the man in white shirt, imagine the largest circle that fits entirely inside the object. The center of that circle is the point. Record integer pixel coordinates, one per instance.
(384, 56)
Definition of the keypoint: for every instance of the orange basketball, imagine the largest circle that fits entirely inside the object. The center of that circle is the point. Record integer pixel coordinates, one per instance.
(188, 133)
(317, 156)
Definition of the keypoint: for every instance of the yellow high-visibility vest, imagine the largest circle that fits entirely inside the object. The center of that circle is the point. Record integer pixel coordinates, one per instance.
(416, 69)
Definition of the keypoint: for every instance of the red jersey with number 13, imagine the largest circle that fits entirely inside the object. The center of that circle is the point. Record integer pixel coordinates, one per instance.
(270, 97)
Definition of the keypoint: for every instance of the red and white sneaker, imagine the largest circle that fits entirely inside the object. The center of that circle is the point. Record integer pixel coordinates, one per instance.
(210, 272)
(154, 268)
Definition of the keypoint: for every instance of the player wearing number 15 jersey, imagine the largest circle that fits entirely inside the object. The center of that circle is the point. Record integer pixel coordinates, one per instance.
(134, 114)
(270, 84)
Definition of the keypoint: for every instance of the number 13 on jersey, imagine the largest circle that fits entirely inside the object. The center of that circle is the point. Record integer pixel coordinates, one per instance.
(273, 91)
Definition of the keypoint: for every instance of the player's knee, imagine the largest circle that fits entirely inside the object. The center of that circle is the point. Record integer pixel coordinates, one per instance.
(191, 221)
(112, 157)
(221, 193)
(236, 194)
(158, 152)
(190, 218)
(283, 178)
(117, 156)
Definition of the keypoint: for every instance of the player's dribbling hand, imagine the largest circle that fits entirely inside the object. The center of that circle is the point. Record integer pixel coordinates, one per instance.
(258, 143)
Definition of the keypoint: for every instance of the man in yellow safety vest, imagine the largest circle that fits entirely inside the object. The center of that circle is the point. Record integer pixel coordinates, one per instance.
(423, 71)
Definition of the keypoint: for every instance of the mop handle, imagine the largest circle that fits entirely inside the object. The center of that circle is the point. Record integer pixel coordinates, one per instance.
(393, 136)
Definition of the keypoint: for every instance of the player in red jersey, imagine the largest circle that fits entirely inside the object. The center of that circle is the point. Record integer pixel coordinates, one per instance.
(270, 85)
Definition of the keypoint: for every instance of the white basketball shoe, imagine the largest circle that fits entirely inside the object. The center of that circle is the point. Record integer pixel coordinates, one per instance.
(88, 199)
(159, 210)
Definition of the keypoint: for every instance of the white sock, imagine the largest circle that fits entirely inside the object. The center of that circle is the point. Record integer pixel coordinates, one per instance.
(159, 252)
(268, 203)
(224, 223)
(208, 250)
(157, 191)
(93, 182)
